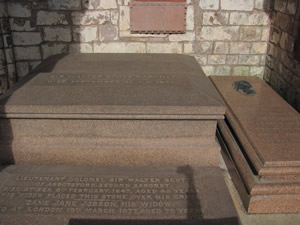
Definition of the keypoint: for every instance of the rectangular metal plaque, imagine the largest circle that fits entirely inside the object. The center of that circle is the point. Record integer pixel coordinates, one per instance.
(157, 17)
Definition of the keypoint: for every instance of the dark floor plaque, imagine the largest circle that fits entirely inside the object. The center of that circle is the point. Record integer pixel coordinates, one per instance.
(77, 195)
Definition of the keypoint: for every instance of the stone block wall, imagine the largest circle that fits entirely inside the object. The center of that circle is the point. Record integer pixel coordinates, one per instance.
(282, 67)
(226, 36)
(7, 62)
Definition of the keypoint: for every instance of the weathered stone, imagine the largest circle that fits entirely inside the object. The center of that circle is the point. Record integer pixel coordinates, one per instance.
(9, 55)
(33, 64)
(288, 59)
(201, 59)
(5, 27)
(85, 34)
(57, 34)
(3, 11)
(232, 59)
(91, 17)
(221, 47)
(27, 53)
(208, 70)
(188, 48)
(219, 33)
(292, 7)
(164, 48)
(188, 36)
(257, 71)
(39, 5)
(249, 59)
(242, 5)
(51, 18)
(269, 62)
(22, 69)
(21, 24)
(11, 70)
(209, 4)
(124, 17)
(263, 60)
(275, 35)
(190, 18)
(215, 18)
(240, 71)
(64, 5)
(1, 44)
(259, 48)
(267, 74)
(53, 49)
(243, 18)
(265, 35)
(96, 4)
(250, 33)
(108, 32)
(222, 70)
(203, 47)
(26, 38)
(216, 59)
(7, 41)
(81, 48)
(240, 47)
(262, 4)
(17, 9)
(297, 17)
(283, 21)
(280, 5)
(120, 47)
(284, 40)
(114, 17)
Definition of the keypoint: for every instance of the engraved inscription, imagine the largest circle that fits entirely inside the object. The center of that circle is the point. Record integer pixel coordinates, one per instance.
(96, 195)
(108, 80)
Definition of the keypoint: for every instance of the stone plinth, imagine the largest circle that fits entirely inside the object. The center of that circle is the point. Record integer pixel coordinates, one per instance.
(112, 109)
(260, 138)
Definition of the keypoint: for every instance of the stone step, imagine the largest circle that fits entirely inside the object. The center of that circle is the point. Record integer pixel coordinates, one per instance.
(100, 195)
(260, 195)
(112, 152)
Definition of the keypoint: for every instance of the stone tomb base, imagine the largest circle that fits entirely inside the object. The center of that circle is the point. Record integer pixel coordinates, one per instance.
(112, 110)
(260, 138)
(95, 195)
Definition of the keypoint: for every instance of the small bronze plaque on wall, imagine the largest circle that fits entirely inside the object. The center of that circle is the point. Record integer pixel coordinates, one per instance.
(158, 17)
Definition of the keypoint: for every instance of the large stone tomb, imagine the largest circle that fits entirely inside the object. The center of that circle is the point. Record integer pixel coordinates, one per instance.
(80, 195)
(112, 109)
(261, 136)
(119, 139)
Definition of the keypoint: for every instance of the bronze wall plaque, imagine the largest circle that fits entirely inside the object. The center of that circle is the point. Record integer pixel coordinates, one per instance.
(157, 17)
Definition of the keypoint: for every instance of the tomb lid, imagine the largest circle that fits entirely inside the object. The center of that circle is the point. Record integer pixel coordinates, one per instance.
(127, 86)
(267, 127)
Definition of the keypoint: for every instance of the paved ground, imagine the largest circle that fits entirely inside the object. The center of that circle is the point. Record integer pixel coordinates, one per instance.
(257, 219)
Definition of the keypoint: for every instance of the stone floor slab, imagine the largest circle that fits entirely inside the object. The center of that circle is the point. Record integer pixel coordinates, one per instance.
(97, 195)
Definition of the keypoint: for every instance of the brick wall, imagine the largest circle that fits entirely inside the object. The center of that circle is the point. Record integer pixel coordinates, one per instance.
(7, 62)
(282, 68)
